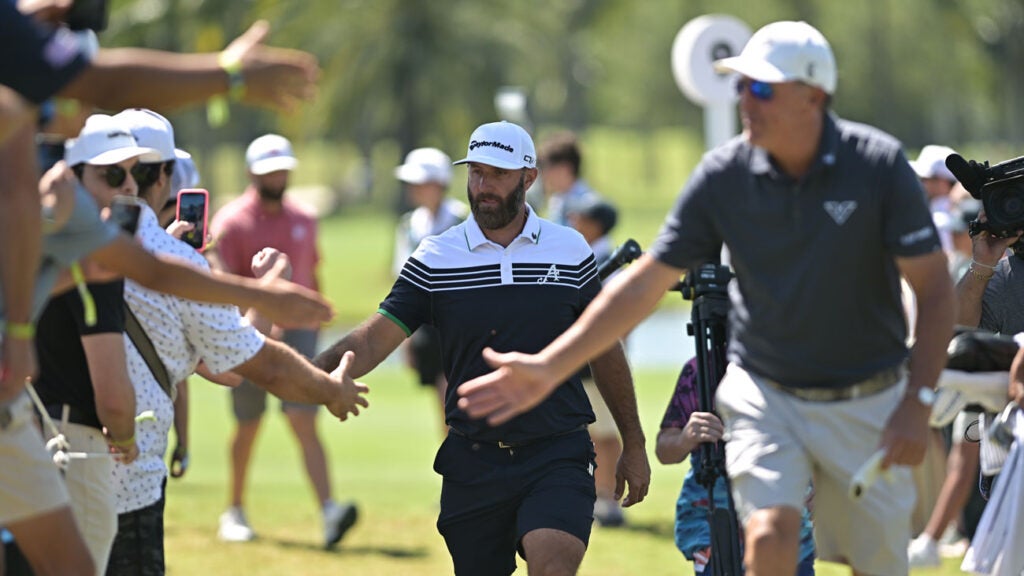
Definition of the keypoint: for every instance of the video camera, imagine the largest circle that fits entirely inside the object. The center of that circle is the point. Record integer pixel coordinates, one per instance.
(1000, 189)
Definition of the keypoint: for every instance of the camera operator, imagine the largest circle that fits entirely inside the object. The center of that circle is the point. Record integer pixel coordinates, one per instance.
(821, 217)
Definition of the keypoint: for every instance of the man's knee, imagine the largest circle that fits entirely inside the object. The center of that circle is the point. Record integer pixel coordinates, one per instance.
(552, 552)
(774, 533)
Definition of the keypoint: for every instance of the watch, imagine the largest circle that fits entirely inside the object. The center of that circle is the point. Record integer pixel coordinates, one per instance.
(925, 395)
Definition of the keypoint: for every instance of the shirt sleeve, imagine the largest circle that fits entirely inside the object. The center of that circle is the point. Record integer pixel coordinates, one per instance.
(224, 336)
(408, 304)
(688, 237)
(908, 226)
(109, 300)
(37, 62)
(684, 401)
(84, 232)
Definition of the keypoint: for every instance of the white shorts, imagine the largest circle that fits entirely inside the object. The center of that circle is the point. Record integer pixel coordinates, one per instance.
(91, 486)
(777, 443)
(30, 484)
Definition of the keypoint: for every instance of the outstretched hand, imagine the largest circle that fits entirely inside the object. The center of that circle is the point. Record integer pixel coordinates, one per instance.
(277, 78)
(271, 263)
(350, 396)
(518, 383)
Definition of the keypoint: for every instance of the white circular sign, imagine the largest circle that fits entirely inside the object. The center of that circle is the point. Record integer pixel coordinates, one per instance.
(696, 47)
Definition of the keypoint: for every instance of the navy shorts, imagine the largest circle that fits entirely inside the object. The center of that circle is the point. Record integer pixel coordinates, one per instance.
(491, 497)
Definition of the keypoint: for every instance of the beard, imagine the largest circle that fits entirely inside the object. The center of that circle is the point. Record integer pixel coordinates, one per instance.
(494, 218)
(274, 193)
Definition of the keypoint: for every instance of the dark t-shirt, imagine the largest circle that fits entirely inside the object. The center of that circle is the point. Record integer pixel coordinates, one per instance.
(37, 62)
(816, 300)
(520, 298)
(63, 369)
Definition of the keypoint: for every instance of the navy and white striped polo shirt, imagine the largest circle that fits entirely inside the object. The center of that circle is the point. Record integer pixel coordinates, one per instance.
(520, 298)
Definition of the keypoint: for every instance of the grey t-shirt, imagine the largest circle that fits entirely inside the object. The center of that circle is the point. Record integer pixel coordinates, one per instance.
(816, 300)
(1001, 309)
(84, 232)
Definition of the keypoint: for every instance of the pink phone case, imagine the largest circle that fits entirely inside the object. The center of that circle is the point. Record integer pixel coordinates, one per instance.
(206, 212)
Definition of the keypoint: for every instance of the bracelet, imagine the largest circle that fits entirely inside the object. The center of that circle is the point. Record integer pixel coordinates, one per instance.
(122, 443)
(21, 330)
(976, 263)
(978, 275)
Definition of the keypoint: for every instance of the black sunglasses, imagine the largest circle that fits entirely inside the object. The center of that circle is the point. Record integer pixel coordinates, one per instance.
(114, 176)
(761, 90)
(146, 174)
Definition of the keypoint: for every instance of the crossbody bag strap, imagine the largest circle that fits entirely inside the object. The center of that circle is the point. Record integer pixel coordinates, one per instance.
(145, 347)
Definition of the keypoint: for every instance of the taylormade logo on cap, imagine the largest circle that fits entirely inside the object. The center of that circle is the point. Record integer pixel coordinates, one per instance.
(502, 145)
(786, 52)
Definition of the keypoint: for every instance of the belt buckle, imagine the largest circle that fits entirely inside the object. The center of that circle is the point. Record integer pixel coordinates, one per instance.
(505, 446)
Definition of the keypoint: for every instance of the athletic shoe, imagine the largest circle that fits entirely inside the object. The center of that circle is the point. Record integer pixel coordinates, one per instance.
(234, 527)
(923, 552)
(338, 518)
(608, 513)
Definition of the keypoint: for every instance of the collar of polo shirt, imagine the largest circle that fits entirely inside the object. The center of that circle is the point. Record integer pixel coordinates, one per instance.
(531, 230)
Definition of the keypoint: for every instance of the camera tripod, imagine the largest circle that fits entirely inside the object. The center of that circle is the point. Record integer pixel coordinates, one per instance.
(706, 287)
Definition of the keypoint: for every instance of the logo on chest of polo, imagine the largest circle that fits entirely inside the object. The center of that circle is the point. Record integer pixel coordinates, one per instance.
(840, 211)
(551, 276)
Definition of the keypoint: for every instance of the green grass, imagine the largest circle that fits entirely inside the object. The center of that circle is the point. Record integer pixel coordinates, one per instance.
(382, 459)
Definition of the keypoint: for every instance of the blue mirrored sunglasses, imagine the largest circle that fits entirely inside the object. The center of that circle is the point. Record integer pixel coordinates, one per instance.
(761, 90)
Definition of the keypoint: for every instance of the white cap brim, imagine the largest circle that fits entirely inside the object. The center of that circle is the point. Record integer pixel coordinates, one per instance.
(268, 165)
(111, 157)
(490, 161)
(751, 68)
(412, 174)
(180, 154)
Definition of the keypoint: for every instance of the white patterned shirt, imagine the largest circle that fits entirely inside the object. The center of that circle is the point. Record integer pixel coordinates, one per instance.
(183, 333)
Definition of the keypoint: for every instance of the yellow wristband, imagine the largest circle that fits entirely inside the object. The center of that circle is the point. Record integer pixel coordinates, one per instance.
(122, 443)
(232, 66)
(217, 111)
(21, 330)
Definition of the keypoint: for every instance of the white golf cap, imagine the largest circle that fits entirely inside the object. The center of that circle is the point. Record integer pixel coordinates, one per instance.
(424, 165)
(502, 145)
(931, 162)
(150, 130)
(270, 153)
(104, 141)
(185, 175)
(786, 52)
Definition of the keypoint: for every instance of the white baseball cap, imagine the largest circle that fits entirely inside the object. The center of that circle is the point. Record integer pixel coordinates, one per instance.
(150, 130)
(104, 141)
(786, 52)
(185, 175)
(424, 165)
(931, 162)
(502, 145)
(270, 153)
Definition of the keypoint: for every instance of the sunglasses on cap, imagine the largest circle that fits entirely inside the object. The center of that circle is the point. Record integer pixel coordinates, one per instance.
(762, 91)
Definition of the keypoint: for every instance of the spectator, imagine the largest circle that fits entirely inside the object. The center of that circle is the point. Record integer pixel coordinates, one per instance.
(426, 173)
(264, 216)
(560, 163)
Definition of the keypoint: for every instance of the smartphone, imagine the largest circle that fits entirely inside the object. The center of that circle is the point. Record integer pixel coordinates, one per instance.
(125, 212)
(193, 206)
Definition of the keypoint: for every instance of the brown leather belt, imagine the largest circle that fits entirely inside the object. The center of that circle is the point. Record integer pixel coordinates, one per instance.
(881, 381)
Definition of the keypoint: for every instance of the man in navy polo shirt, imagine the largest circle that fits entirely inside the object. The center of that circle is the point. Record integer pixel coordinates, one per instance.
(507, 279)
(821, 217)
